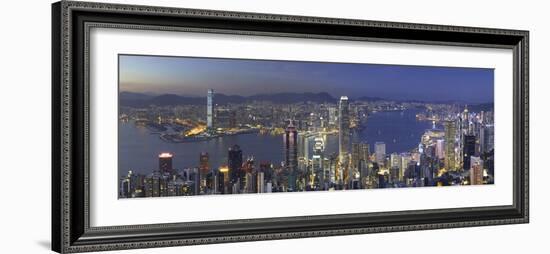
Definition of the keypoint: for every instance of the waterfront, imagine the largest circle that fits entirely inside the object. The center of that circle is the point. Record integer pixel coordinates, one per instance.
(139, 148)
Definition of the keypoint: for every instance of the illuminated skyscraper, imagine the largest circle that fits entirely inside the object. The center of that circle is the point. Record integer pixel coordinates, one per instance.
(203, 162)
(450, 132)
(224, 179)
(356, 155)
(260, 182)
(204, 168)
(332, 118)
(165, 163)
(395, 160)
(380, 152)
(209, 109)
(476, 170)
(469, 150)
(487, 138)
(153, 185)
(317, 161)
(406, 159)
(235, 162)
(440, 149)
(291, 152)
(343, 130)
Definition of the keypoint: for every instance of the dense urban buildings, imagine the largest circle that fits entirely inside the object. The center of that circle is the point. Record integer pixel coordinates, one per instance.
(320, 131)
(458, 149)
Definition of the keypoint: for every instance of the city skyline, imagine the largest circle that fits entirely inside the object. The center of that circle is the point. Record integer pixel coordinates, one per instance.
(187, 76)
(320, 141)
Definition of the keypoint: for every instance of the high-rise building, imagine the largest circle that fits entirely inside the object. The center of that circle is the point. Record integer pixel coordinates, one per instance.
(234, 163)
(306, 148)
(380, 152)
(343, 130)
(127, 185)
(260, 182)
(210, 109)
(487, 138)
(450, 132)
(365, 152)
(204, 169)
(250, 184)
(291, 152)
(317, 161)
(224, 179)
(362, 156)
(406, 159)
(476, 170)
(332, 117)
(165, 163)
(203, 162)
(440, 149)
(469, 150)
(395, 167)
(153, 185)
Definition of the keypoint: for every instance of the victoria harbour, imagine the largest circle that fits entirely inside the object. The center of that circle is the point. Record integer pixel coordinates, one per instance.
(139, 143)
(206, 126)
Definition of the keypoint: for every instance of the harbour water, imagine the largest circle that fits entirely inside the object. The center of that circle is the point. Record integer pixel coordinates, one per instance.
(139, 148)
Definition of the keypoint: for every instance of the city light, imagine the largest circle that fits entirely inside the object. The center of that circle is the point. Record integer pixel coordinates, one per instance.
(165, 155)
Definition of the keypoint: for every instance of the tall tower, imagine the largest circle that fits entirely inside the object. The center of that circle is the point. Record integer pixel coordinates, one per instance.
(291, 147)
(291, 153)
(317, 161)
(469, 150)
(450, 132)
(204, 168)
(380, 152)
(343, 130)
(476, 170)
(209, 109)
(235, 163)
(165, 163)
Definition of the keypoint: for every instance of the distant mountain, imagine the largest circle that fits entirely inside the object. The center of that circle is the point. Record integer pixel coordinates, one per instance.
(174, 99)
(369, 98)
(143, 100)
(294, 97)
(134, 96)
(481, 107)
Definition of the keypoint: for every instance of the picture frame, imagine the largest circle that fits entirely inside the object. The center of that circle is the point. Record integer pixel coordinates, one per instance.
(71, 196)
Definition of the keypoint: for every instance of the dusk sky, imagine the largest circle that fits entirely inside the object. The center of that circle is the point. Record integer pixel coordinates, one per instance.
(193, 76)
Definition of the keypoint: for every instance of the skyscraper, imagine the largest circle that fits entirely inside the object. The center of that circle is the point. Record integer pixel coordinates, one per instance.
(204, 168)
(203, 162)
(356, 155)
(165, 163)
(343, 130)
(317, 161)
(487, 138)
(291, 152)
(440, 149)
(224, 179)
(209, 109)
(234, 162)
(469, 150)
(450, 132)
(476, 170)
(332, 118)
(380, 152)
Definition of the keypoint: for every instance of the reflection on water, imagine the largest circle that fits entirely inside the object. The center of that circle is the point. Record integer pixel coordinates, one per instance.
(139, 149)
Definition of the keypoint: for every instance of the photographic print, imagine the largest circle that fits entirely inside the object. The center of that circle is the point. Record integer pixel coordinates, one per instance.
(207, 126)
